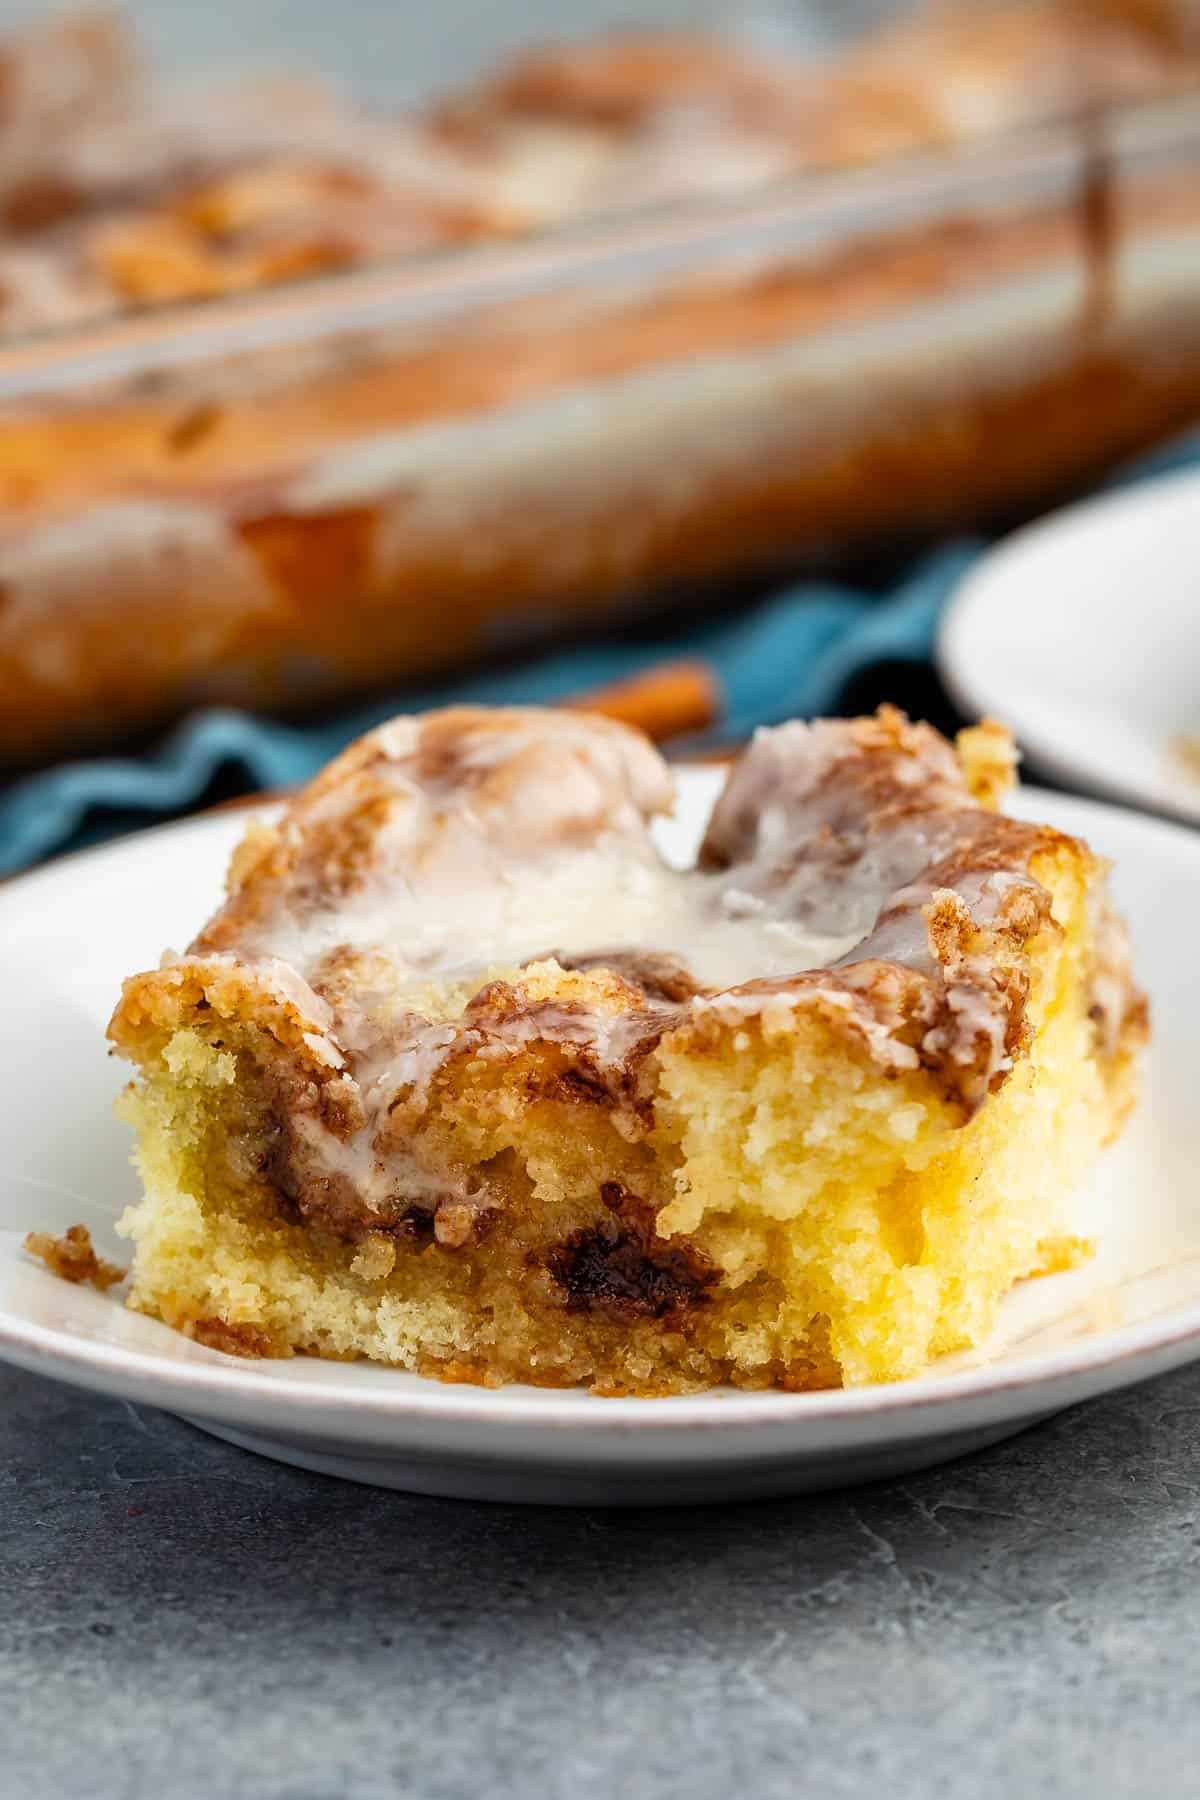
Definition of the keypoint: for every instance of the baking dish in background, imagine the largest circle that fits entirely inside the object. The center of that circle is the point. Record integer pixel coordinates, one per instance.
(293, 494)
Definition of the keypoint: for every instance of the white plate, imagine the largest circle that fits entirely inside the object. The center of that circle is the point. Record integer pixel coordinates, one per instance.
(1083, 634)
(68, 935)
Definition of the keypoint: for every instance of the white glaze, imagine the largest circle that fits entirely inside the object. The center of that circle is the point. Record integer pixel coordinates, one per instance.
(446, 852)
(538, 843)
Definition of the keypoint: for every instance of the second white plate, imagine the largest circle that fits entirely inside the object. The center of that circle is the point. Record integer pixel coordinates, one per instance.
(1082, 633)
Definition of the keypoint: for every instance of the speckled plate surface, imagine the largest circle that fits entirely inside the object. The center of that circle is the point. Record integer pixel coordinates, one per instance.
(70, 933)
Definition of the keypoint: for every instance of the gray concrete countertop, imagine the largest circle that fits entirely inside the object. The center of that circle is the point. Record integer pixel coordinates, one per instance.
(182, 1619)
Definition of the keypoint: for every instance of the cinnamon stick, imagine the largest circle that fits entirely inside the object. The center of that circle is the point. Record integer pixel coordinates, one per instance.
(670, 700)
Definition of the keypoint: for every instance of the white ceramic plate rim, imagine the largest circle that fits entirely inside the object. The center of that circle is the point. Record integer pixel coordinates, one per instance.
(200, 1388)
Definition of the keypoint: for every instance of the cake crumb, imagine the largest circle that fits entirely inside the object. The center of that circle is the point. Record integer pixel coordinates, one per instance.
(989, 761)
(1186, 751)
(73, 1257)
(236, 1338)
(376, 1258)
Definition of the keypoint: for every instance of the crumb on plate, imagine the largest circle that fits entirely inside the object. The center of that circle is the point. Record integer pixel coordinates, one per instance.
(72, 1255)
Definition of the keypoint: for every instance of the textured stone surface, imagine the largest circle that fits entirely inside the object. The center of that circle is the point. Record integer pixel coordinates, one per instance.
(182, 1618)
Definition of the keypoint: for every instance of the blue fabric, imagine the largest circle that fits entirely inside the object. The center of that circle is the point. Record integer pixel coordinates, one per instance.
(784, 657)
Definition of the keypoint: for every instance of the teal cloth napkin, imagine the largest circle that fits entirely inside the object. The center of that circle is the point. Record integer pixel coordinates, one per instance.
(787, 656)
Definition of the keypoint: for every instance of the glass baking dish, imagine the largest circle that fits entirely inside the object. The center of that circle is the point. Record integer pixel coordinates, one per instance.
(283, 497)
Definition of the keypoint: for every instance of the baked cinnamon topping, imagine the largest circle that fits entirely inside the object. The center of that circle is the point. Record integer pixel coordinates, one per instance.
(385, 1068)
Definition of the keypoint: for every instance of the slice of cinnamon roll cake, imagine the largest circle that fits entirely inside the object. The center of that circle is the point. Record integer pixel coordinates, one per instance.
(465, 1078)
